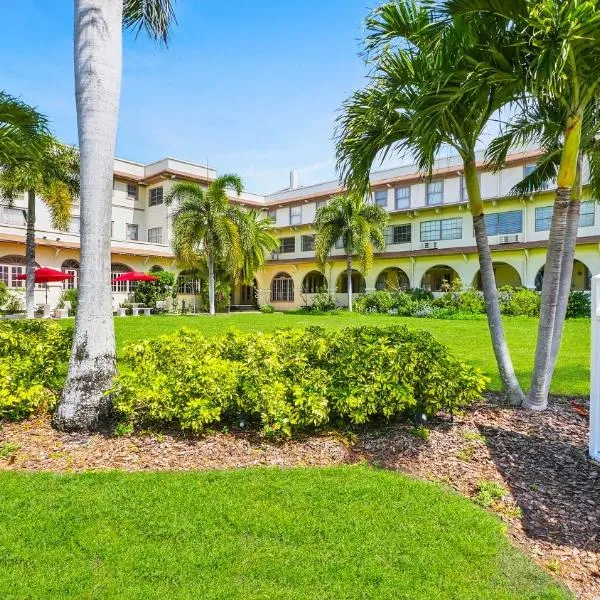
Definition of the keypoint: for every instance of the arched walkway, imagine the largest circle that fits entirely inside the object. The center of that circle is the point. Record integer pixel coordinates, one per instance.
(359, 285)
(505, 275)
(580, 281)
(70, 266)
(314, 282)
(436, 278)
(392, 279)
(282, 288)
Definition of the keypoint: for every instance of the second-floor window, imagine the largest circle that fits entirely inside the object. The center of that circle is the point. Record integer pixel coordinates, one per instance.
(504, 223)
(320, 204)
(435, 192)
(155, 196)
(401, 234)
(308, 243)
(528, 170)
(444, 229)
(543, 216)
(586, 214)
(13, 216)
(272, 214)
(295, 215)
(339, 243)
(287, 245)
(132, 232)
(155, 235)
(380, 197)
(75, 225)
(132, 191)
(402, 197)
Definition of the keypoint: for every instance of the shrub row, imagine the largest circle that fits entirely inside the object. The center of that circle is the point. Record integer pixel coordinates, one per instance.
(463, 303)
(292, 379)
(33, 360)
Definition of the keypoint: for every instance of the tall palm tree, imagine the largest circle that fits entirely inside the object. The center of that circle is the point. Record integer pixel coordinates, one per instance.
(418, 59)
(98, 56)
(559, 42)
(22, 131)
(206, 227)
(358, 224)
(53, 174)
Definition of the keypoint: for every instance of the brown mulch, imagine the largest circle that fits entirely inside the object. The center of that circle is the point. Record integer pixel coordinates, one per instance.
(553, 501)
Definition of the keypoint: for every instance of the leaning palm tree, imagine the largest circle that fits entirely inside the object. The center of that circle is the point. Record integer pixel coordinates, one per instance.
(53, 174)
(418, 60)
(98, 56)
(205, 227)
(559, 42)
(358, 224)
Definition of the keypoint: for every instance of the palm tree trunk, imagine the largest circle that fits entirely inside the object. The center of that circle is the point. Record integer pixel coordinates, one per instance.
(349, 281)
(30, 256)
(510, 383)
(537, 399)
(566, 269)
(211, 284)
(84, 404)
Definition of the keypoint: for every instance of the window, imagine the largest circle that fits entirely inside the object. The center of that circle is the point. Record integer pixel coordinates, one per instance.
(308, 243)
(13, 216)
(117, 269)
(445, 229)
(543, 218)
(295, 215)
(132, 191)
(10, 268)
(401, 234)
(75, 225)
(155, 196)
(320, 204)
(339, 243)
(188, 282)
(287, 245)
(282, 288)
(71, 267)
(528, 170)
(402, 197)
(132, 232)
(504, 223)
(435, 192)
(381, 198)
(586, 214)
(155, 235)
(272, 214)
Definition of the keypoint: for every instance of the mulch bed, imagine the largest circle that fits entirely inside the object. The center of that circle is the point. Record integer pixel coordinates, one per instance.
(552, 507)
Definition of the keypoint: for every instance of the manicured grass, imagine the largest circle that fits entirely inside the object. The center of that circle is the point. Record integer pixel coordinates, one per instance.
(350, 532)
(469, 340)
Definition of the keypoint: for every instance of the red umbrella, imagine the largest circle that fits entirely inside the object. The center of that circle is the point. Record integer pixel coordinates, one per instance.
(135, 276)
(46, 275)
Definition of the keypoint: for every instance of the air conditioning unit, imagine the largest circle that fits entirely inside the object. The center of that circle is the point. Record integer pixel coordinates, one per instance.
(428, 245)
(509, 239)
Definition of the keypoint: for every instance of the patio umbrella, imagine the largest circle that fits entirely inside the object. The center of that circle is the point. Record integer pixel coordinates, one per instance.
(135, 276)
(47, 275)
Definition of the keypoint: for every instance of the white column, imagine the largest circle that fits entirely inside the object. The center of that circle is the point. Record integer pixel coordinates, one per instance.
(595, 372)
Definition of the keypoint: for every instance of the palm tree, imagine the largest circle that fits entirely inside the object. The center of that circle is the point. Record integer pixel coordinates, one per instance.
(98, 56)
(22, 131)
(206, 227)
(53, 174)
(358, 224)
(559, 42)
(418, 60)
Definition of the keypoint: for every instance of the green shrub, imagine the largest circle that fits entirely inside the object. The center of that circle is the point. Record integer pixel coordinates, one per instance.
(292, 379)
(149, 292)
(323, 301)
(380, 301)
(580, 305)
(14, 303)
(4, 295)
(519, 302)
(489, 492)
(267, 308)
(71, 296)
(33, 359)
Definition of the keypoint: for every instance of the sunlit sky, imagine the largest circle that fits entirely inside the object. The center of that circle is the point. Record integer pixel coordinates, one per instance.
(252, 87)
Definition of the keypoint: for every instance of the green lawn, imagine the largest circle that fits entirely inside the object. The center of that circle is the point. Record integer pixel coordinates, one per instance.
(467, 339)
(349, 532)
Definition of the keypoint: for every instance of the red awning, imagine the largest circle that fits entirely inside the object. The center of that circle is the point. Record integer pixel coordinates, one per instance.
(135, 276)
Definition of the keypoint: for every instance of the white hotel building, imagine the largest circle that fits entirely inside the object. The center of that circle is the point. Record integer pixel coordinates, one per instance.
(430, 236)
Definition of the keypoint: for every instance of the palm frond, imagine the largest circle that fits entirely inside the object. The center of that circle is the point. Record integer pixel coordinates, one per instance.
(155, 17)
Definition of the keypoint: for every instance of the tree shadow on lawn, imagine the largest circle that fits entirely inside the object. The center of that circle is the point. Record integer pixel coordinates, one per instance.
(554, 483)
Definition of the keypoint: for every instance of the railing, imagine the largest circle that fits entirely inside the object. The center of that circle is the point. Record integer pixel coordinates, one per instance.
(595, 372)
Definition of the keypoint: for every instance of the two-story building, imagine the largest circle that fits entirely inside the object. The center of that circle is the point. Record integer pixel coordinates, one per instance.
(430, 237)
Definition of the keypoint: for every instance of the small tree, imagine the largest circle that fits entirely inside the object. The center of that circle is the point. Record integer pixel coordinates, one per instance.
(358, 224)
(151, 292)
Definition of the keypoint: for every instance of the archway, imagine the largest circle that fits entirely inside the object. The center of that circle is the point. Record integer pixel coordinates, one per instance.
(581, 279)
(505, 275)
(282, 288)
(156, 269)
(188, 282)
(392, 279)
(11, 266)
(71, 266)
(248, 294)
(436, 278)
(314, 282)
(117, 269)
(359, 285)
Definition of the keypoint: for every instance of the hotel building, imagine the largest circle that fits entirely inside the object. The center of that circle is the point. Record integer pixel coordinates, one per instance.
(430, 236)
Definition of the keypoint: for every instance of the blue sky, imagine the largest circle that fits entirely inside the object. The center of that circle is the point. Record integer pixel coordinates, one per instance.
(252, 86)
